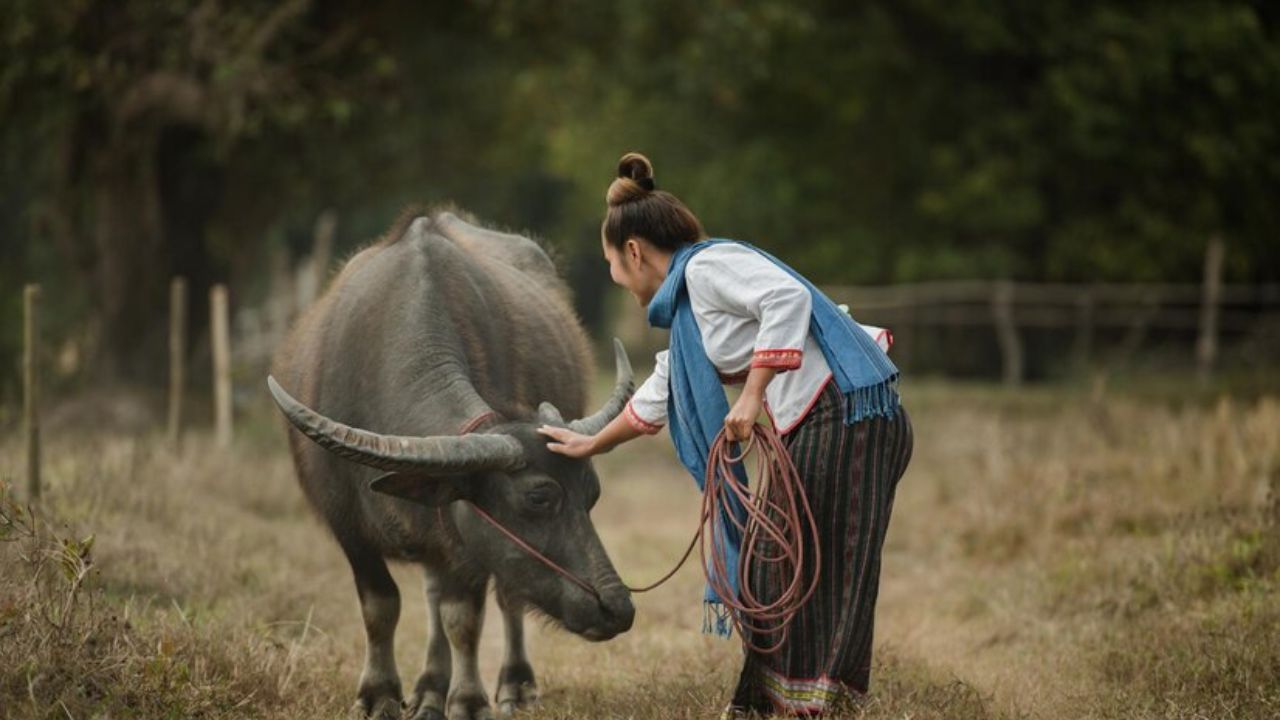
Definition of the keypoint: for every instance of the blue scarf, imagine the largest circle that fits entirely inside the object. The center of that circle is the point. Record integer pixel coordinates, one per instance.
(697, 405)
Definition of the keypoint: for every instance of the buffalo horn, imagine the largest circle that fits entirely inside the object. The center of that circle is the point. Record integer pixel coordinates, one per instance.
(622, 391)
(442, 455)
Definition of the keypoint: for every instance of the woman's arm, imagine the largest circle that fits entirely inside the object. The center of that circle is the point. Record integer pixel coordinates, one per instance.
(644, 414)
(743, 414)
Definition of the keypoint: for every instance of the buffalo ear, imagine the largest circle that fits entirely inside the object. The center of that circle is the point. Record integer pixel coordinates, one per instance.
(429, 490)
(548, 414)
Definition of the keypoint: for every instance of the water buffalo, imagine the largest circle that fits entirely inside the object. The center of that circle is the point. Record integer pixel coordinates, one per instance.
(421, 375)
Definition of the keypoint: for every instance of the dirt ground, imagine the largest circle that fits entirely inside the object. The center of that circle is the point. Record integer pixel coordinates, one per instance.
(1050, 556)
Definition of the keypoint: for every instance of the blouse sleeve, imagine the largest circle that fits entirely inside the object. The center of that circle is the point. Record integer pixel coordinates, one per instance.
(647, 410)
(740, 281)
(882, 336)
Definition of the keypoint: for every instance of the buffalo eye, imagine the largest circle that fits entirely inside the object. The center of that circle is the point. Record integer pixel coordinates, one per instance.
(543, 499)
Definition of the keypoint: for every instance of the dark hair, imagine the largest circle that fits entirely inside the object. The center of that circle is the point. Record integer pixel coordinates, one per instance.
(638, 208)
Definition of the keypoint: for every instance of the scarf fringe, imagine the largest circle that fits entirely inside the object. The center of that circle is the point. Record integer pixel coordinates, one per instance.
(716, 620)
(879, 400)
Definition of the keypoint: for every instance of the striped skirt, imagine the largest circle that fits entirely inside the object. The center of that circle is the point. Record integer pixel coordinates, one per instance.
(850, 473)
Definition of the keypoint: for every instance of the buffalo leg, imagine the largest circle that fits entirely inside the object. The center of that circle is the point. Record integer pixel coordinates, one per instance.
(462, 613)
(433, 685)
(516, 685)
(379, 693)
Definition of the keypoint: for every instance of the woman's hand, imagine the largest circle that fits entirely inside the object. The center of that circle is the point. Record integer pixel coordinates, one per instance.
(576, 445)
(742, 416)
(569, 443)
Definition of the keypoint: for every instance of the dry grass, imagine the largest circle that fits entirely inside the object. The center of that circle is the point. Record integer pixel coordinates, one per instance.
(1050, 557)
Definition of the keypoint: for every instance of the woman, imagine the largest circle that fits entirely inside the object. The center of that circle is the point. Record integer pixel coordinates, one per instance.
(738, 315)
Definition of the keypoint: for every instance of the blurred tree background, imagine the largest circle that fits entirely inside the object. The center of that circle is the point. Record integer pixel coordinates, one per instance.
(865, 141)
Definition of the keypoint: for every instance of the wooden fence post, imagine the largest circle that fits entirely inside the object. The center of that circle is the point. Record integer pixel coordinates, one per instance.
(1210, 299)
(177, 354)
(322, 248)
(1083, 346)
(913, 333)
(220, 328)
(280, 303)
(31, 386)
(1007, 332)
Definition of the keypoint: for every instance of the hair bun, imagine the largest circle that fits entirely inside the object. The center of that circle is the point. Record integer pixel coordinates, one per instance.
(635, 180)
(635, 166)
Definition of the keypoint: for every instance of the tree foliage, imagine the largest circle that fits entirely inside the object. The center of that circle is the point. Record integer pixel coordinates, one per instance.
(869, 141)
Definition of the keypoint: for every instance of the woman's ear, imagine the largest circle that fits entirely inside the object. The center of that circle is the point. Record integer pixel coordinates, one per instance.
(633, 251)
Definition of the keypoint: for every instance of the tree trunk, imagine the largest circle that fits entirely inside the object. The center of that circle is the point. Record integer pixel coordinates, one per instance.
(132, 264)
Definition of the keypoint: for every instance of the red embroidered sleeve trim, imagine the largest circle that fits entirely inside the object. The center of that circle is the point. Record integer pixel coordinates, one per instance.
(638, 423)
(778, 359)
(888, 339)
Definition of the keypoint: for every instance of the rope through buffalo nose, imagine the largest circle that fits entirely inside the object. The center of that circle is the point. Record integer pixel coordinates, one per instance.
(531, 550)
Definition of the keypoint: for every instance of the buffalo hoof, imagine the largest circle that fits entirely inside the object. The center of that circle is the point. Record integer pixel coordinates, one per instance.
(427, 713)
(517, 689)
(387, 708)
(378, 698)
(509, 704)
(428, 698)
(468, 706)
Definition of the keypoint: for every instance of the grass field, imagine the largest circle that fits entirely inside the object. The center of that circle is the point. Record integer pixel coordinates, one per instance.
(1051, 556)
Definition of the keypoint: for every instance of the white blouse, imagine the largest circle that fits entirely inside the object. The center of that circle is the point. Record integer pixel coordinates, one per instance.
(750, 313)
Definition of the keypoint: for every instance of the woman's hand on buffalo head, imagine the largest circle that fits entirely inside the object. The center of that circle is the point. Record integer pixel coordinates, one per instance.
(569, 443)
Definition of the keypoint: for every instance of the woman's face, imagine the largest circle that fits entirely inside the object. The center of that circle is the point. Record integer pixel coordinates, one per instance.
(637, 266)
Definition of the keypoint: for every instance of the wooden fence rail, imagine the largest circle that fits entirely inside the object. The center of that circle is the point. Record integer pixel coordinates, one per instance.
(1208, 308)
(909, 295)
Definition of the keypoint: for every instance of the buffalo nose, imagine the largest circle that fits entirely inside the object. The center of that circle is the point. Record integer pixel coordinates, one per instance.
(619, 613)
